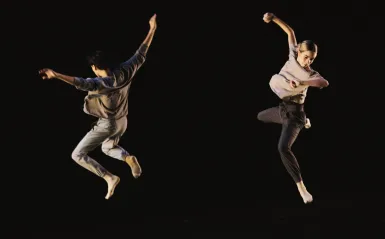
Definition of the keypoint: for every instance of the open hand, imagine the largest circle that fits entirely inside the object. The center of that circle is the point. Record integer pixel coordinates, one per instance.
(294, 84)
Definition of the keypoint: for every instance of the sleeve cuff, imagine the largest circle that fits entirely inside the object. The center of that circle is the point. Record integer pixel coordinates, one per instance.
(143, 50)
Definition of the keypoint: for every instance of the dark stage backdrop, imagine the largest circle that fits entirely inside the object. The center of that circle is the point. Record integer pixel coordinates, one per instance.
(208, 163)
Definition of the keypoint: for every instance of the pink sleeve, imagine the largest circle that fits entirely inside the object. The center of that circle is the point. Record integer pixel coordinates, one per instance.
(316, 76)
(292, 51)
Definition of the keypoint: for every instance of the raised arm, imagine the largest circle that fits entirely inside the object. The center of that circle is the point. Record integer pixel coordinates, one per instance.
(147, 41)
(133, 64)
(268, 17)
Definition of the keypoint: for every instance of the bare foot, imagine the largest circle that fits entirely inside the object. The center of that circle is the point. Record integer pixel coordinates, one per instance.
(134, 165)
(306, 196)
(112, 182)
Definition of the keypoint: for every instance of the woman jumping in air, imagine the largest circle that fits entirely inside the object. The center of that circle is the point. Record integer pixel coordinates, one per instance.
(291, 85)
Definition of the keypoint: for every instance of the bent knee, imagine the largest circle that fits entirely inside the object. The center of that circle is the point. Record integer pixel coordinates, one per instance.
(260, 116)
(107, 146)
(77, 156)
(106, 149)
(283, 148)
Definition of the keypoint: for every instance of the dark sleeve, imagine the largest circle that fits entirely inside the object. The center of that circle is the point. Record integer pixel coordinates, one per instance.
(91, 84)
(129, 67)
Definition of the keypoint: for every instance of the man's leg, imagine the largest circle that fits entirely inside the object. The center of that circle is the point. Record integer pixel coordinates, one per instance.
(91, 140)
(289, 133)
(111, 148)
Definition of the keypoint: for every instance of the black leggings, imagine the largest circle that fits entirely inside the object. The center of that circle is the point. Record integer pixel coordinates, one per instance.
(292, 117)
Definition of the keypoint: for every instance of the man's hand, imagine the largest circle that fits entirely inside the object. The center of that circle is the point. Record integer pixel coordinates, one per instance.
(268, 17)
(47, 73)
(294, 84)
(152, 22)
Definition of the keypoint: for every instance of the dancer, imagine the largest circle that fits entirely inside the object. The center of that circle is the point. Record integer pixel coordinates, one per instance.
(107, 100)
(291, 85)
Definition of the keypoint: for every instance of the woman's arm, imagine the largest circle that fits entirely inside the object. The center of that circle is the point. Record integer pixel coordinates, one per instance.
(268, 17)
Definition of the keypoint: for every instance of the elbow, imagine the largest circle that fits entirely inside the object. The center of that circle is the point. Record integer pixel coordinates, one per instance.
(290, 33)
(142, 59)
(143, 50)
(324, 83)
(78, 82)
(321, 83)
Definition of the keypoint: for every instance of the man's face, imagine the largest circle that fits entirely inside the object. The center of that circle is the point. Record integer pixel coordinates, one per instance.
(95, 70)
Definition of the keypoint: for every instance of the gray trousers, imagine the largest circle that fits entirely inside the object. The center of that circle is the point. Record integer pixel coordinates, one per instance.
(106, 132)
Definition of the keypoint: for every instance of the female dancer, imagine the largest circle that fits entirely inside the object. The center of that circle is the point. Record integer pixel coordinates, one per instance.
(291, 85)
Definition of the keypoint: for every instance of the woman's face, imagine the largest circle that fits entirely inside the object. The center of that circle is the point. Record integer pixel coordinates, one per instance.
(305, 58)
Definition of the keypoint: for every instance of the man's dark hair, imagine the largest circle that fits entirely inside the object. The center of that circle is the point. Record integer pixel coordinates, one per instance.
(101, 59)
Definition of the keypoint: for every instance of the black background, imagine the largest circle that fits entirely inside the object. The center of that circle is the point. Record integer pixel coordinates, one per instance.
(208, 164)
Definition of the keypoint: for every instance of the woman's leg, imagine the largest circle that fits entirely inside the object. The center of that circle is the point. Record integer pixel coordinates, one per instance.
(289, 133)
(271, 115)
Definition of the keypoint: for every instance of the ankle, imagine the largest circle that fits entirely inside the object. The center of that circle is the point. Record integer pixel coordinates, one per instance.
(107, 176)
(301, 185)
(130, 159)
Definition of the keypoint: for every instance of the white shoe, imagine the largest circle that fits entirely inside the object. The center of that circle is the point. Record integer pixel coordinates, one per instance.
(307, 124)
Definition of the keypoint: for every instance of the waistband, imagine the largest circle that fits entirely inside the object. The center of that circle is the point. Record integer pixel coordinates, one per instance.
(292, 106)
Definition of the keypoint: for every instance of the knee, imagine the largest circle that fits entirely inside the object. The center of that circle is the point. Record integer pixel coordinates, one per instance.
(106, 148)
(260, 116)
(283, 148)
(77, 156)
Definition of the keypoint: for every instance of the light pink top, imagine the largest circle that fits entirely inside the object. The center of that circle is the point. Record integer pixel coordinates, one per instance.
(280, 83)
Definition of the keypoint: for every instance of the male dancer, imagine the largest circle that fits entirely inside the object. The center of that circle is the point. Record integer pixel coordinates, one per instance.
(107, 100)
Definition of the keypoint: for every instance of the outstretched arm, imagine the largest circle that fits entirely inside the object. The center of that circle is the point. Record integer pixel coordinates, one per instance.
(47, 73)
(89, 84)
(130, 66)
(284, 26)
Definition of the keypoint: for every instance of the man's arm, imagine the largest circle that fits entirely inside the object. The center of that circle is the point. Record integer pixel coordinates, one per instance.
(153, 25)
(89, 84)
(133, 64)
(284, 26)
(47, 74)
(65, 78)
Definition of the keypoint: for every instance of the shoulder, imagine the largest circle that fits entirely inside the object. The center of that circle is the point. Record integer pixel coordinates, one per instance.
(292, 50)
